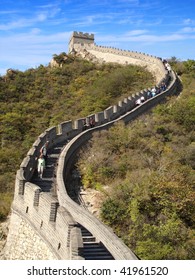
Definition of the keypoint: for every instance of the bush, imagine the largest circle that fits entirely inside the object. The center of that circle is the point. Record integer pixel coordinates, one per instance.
(5, 202)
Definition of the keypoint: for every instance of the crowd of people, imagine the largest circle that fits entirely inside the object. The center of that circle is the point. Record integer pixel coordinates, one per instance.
(151, 93)
(156, 89)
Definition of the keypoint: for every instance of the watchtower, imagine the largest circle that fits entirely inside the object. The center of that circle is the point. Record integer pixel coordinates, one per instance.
(81, 39)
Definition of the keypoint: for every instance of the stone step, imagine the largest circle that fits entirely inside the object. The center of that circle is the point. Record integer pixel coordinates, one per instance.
(52, 156)
(89, 239)
(92, 250)
(92, 244)
(96, 253)
(85, 232)
(99, 257)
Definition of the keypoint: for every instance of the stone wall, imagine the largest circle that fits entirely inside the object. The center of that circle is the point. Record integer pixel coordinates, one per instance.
(109, 54)
(41, 220)
(26, 244)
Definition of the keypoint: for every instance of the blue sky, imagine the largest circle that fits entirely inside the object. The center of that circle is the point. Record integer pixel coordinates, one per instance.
(32, 31)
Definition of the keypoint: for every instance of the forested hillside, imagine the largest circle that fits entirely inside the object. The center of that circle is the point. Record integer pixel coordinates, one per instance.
(36, 99)
(146, 172)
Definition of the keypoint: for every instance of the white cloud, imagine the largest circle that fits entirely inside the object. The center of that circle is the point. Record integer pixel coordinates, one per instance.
(90, 20)
(47, 6)
(33, 38)
(26, 50)
(156, 38)
(35, 31)
(140, 36)
(25, 21)
(188, 30)
(14, 24)
(41, 17)
(21, 23)
(8, 12)
(188, 21)
(136, 32)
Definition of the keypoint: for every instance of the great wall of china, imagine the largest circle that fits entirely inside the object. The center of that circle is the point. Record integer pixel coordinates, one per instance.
(45, 222)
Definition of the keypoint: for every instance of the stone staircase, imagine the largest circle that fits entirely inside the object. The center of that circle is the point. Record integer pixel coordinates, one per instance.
(47, 183)
(92, 249)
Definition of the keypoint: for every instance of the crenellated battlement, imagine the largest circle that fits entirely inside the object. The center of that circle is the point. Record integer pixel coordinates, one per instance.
(80, 38)
(44, 225)
(83, 35)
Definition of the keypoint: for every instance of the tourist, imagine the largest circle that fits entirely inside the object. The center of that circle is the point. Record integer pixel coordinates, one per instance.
(91, 122)
(142, 99)
(84, 125)
(149, 94)
(41, 165)
(44, 150)
(153, 91)
(138, 102)
(168, 67)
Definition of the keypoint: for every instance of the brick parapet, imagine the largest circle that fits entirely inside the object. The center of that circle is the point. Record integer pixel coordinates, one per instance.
(36, 209)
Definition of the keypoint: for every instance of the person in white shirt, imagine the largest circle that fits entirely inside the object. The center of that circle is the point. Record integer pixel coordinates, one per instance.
(138, 102)
(43, 151)
(41, 166)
